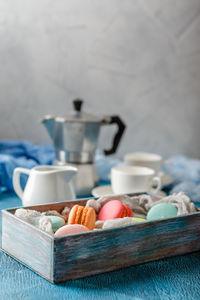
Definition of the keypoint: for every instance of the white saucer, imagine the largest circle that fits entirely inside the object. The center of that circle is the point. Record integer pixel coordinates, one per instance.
(107, 190)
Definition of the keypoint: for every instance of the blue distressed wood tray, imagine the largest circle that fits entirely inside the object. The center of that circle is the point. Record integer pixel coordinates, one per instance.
(64, 258)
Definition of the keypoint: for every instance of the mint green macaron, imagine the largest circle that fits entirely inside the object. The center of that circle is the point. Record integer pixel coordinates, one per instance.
(57, 222)
(162, 211)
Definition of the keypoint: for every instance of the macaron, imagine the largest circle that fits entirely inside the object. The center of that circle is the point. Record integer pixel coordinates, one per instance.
(128, 210)
(114, 209)
(83, 215)
(138, 220)
(71, 229)
(161, 211)
(57, 222)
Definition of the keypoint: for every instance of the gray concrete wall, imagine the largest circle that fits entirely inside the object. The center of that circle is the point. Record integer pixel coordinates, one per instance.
(136, 58)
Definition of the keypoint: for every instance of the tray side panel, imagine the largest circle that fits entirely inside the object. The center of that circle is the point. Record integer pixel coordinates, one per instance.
(28, 245)
(97, 252)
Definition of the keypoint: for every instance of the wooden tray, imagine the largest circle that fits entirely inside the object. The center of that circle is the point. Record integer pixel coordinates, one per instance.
(74, 256)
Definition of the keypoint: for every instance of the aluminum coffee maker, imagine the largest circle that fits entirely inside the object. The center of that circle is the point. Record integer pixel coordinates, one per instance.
(75, 140)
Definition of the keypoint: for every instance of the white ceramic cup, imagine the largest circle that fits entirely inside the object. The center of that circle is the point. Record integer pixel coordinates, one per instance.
(144, 159)
(134, 179)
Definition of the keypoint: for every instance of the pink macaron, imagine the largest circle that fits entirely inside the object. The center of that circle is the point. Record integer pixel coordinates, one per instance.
(114, 209)
(71, 229)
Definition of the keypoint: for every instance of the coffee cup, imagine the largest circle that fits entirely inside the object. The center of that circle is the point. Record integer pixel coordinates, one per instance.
(144, 159)
(134, 179)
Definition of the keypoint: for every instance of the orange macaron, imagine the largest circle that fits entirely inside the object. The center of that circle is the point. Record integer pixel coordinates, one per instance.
(83, 215)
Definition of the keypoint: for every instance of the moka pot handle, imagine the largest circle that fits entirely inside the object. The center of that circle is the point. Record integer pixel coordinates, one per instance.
(117, 138)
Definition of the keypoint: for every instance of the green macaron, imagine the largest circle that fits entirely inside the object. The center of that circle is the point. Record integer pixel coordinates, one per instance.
(138, 220)
(162, 211)
(57, 222)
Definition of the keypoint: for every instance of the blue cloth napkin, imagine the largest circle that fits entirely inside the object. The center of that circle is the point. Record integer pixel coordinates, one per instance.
(21, 154)
(185, 172)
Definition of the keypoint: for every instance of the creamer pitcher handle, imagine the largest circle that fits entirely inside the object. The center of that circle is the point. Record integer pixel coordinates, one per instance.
(16, 180)
(156, 181)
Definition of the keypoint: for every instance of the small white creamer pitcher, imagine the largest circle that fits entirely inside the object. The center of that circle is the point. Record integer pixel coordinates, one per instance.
(46, 184)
